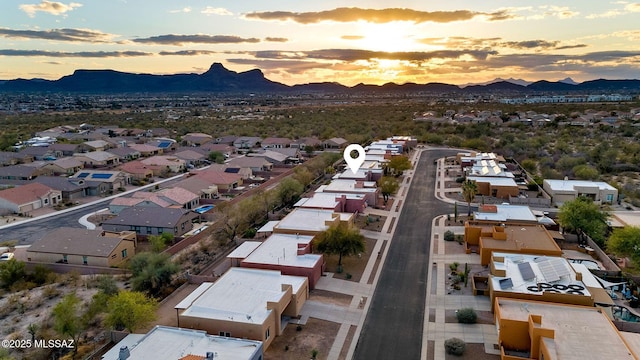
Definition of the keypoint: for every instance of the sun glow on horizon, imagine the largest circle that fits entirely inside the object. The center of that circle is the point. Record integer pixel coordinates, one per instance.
(391, 37)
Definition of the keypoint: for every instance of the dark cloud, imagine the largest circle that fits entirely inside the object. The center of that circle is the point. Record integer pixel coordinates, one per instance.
(275, 39)
(187, 53)
(172, 39)
(351, 37)
(83, 54)
(529, 44)
(378, 16)
(351, 55)
(564, 47)
(75, 35)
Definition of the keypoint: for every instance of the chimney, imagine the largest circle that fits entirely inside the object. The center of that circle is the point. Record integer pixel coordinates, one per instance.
(124, 353)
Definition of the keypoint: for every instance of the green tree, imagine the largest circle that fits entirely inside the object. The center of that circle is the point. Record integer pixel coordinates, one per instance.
(582, 216)
(469, 190)
(626, 242)
(341, 240)
(289, 190)
(160, 242)
(530, 165)
(68, 318)
(107, 284)
(398, 164)
(388, 186)
(11, 272)
(586, 172)
(303, 175)
(130, 310)
(216, 156)
(151, 272)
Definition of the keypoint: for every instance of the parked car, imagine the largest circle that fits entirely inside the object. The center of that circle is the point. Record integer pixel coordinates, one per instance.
(6, 256)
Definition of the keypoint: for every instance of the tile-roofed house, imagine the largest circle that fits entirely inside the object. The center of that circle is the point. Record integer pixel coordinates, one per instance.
(83, 247)
(8, 158)
(173, 343)
(276, 143)
(170, 163)
(21, 172)
(164, 144)
(37, 152)
(206, 189)
(226, 140)
(152, 221)
(246, 142)
(191, 157)
(101, 182)
(334, 143)
(65, 166)
(120, 203)
(246, 172)
(173, 195)
(225, 149)
(147, 150)
(307, 141)
(223, 180)
(97, 158)
(254, 163)
(137, 170)
(196, 139)
(71, 189)
(26, 198)
(61, 150)
(94, 145)
(273, 157)
(125, 153)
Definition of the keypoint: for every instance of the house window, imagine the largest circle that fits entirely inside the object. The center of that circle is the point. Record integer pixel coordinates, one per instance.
(137, 229)
(222, 333)
(46, 201)
(267, 333)
(160, 230)
(610, 197)
(182, 226)
(64, 259)
(149, 230)
(85, 261)
(124, 253)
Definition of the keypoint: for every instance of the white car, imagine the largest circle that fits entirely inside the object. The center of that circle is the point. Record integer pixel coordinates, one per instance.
(6, 256)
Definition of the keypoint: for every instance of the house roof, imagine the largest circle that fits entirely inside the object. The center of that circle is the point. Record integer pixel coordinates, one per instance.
(276, 140)
(97, 155)
(336, 141)
(68, 162)
(570, 185)
(504, 212)
(124, 151)
(26, 193)
(248, 161)
(271, 155)
(494, 181)
(144, 148)
(309, 141)
(307, 220)
(75, 241)
(282, 250)
(98, 175)
(184, 344)
(135, 167)
(59, 183)
(240, 295)
(144, 216)
(175, 195)
(196, 184)
(35, 150)
(215, 177)
(162, 160)
(63, 147)
(18, 171)
(96, 143)
(189, 155)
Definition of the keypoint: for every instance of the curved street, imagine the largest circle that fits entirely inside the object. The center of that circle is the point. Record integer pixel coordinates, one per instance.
(394, 323)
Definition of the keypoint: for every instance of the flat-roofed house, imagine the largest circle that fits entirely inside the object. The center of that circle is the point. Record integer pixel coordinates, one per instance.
(173, 343)
(348, 203)
(311, 221)
(500, 187)
(535, 277)
(244, 303)
(562, 191)
(524, 239)
(542, 330)
(290, 254)
(367, 188)
(84, 247)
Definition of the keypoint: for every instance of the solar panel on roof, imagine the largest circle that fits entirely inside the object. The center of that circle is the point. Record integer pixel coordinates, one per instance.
(232, 170)
(101, 176)
(548, 272)
(83, 175)
(560, 267)
(505, 283)
(526, 271)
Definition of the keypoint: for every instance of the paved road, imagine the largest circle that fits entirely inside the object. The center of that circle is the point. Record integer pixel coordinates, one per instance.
(393, 327)
(28, 232)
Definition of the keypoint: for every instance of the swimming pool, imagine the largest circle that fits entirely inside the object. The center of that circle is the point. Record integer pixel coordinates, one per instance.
(624, 314)
(203, 209)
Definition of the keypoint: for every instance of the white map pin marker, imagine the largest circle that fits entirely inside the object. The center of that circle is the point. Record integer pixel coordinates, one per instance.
(354, 164)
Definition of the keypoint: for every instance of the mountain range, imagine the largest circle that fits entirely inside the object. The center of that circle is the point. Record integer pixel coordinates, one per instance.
(218, 79)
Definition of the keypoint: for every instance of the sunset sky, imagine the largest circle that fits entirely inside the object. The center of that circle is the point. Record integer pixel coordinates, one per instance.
(297, 42)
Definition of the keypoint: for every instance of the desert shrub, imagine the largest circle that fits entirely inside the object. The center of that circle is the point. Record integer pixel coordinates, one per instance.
(449, 235)
(454, 346)
(467, 316)
(459, 180)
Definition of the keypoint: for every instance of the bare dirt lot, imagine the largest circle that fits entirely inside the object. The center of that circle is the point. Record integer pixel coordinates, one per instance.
(293, 344)
(352, 266)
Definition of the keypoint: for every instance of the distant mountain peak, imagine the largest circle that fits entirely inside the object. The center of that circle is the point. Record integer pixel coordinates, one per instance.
(568, 80)
(520, 82)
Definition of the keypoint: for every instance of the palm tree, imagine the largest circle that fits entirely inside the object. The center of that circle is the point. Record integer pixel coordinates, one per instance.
(469, 189)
